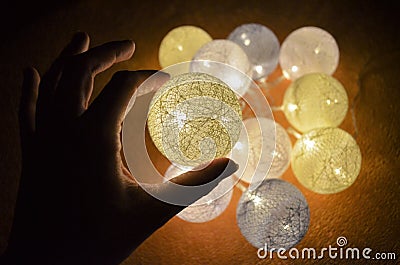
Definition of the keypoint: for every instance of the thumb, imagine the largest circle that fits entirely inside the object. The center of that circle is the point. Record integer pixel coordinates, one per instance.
(109, 108)
(218, 169)
(206, 179)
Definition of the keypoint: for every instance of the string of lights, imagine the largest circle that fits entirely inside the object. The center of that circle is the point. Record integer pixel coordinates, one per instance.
(196, 116)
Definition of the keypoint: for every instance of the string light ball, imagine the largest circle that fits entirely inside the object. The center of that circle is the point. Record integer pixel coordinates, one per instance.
(315, 100)
(209, 206)
(180, 44)
(225, 52)
(268, 156)
(275, 213)
(326, 160)
(261, 46)
(308, 50)
(194, 118)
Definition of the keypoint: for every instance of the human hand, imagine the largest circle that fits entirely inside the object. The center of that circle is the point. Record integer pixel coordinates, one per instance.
(77, 203)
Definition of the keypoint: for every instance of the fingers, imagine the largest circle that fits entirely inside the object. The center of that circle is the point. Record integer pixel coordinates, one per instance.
(76, 83)
(79, 44)
(27, 108)
(207, 178)
(219, 168)
(110, 106)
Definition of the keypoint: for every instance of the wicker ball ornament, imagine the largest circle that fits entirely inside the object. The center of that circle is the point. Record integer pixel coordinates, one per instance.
(194, 118)
(180, 44)
(225, 52)
(275, 214)
(326, 160)
(308, 50)
(261, 46)
(268, 156)
(315, 100)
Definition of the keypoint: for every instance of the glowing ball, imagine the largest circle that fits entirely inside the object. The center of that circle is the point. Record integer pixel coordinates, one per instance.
(225, 52)
(308, 50)
(180, 44)
(194, 118)
(326, 160)
(208, 207)
(266, 153)
(276, 214)
(315, 100)
(261, 46)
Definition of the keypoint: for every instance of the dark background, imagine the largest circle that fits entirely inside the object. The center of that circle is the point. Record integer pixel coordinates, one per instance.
(367, 213)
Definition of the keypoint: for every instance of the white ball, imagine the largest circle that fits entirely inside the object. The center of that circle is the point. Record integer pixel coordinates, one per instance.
(261, 46)
(260, 154)
(208, 207)
(276, 214)
(307, 50)
(225, 52)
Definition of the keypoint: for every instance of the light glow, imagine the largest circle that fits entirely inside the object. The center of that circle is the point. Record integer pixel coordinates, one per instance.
(331, 165)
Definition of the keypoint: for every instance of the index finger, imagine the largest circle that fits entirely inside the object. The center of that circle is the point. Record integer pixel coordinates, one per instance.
(76, 84)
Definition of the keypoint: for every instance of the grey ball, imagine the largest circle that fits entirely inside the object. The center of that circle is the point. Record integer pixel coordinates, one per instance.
(275, 213)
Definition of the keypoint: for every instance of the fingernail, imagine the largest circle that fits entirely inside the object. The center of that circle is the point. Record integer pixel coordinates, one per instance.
(164, 74)
(129, 42)
(232, 167)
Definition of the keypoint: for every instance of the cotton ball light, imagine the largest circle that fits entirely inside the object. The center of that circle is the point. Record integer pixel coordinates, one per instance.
(268, 147)
(326, 160)
(194, 118)
(275, 213)
(224, 52)
(180, 44)
(209, 206)
(307, 50)
(261, 46)
(315, 100)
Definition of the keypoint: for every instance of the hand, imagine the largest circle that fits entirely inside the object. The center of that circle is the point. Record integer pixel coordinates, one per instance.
(77, 203)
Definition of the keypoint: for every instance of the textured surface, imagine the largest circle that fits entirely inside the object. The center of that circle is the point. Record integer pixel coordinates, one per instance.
(261, 46)
(194, 118)
(326, 160)
(276, 214)
(181, 44)
(368, 213)
(315, 100)
(258, 153)
(308, 50)
(225, 52)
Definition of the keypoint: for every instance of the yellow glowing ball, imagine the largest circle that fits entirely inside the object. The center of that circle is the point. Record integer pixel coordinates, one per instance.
(314, 101)
(194, 118)
(326, 160)
(181, 44)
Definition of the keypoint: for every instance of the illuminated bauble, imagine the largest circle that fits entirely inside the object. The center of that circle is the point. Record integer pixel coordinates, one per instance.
(225, 52)
(208, 207)
(194, 118)
(261, 46)
(326, 160)
(265, 152)
(180, 44)
(315, 100)
(275, 213)
(308, 50)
